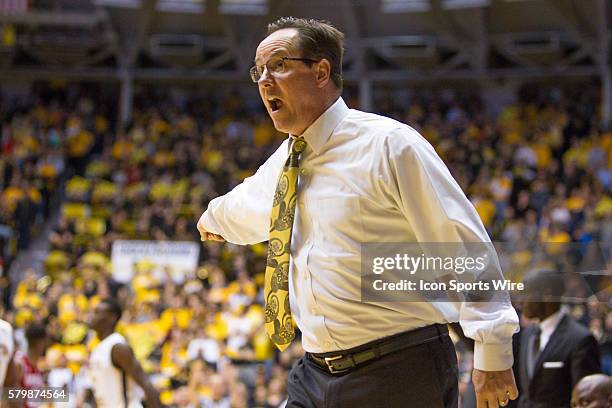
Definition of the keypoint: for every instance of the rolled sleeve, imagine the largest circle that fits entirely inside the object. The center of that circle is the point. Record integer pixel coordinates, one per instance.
(242, 216)
(209, 222)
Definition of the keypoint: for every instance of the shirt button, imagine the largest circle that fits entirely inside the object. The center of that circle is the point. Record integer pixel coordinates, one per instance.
(327, 344)
(301, 205)
(303, 171)
(313, 311)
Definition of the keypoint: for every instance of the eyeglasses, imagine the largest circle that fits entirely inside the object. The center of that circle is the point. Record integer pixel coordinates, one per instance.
(274, 66)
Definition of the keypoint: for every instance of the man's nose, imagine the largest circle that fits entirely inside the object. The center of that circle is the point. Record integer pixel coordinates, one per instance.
(265, 78)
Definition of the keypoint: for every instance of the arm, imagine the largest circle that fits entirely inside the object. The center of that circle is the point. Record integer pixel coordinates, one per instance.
(123, 357)
(585, 359)
(438, 211)
(12, 380)
(18, 372)
(242, 216)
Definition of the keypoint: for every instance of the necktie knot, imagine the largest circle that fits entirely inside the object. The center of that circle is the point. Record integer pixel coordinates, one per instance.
(298, 146)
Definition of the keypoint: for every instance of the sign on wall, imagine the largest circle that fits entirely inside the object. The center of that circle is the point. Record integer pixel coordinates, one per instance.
(180, 257)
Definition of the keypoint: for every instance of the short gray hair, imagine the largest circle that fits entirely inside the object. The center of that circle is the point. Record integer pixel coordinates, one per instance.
(318, 39)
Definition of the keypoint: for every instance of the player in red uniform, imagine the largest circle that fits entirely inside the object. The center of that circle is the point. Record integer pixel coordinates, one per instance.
(27, 363)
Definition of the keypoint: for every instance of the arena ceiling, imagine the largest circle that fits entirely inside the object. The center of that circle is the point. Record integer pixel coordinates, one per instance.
(387, 40)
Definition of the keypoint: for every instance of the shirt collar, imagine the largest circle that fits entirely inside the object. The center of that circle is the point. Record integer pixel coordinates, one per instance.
(321, 129)
(549, 324)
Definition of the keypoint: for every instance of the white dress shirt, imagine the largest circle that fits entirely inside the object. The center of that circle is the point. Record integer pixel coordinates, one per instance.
(548, 326)
(364, 178)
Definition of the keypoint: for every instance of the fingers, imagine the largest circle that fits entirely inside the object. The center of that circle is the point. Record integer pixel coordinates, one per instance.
(214, 237)
(512, 390)
(496, 399)
(208, 236)
(502, 398)
(481, 402)
(492, 400)
(494, 389)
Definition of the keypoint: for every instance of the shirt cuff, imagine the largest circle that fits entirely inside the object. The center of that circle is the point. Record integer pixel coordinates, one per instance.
(493, 357)
(210, 224)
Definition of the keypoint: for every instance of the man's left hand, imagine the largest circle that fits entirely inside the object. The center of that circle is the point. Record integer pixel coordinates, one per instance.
(494, 388)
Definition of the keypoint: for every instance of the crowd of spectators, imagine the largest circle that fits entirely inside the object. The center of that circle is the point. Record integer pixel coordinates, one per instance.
(40, 137)
(537, 172)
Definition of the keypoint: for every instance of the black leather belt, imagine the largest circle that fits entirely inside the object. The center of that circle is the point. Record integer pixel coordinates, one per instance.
(346, 360)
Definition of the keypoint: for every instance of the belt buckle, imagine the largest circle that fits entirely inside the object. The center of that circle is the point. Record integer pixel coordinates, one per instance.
(330, 367)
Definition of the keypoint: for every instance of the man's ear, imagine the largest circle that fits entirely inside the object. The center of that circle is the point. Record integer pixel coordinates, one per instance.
(323, 72)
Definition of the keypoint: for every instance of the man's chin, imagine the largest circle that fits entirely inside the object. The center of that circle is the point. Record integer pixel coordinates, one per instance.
(281, 127)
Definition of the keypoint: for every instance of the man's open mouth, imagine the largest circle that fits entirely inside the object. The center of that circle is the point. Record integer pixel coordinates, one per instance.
(275, 104)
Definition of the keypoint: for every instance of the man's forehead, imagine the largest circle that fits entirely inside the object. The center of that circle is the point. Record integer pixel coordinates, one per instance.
(279, 41)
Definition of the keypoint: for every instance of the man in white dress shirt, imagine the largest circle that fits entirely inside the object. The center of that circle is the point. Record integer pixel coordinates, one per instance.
(362, 178)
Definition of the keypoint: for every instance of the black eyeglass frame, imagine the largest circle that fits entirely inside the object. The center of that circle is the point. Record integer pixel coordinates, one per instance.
(255, 76)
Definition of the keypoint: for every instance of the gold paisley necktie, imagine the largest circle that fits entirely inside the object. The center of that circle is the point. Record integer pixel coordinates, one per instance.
(279, 323)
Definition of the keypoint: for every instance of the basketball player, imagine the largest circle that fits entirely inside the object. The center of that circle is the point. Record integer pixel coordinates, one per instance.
(28, 374)
(117, 378)
(8, 372)
(7, 349)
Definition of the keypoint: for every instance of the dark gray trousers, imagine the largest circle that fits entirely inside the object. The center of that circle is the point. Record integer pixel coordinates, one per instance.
(423, 376)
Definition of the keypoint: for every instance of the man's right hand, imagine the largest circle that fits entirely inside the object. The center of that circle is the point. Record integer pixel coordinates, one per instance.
(494, 388)
(207, 236)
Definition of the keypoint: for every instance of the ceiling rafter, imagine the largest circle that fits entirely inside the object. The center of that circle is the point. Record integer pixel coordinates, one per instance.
(457, 39)
(357, 50)
(131, 46)
(446, 28)
(242, 40)
(572, 21)
(469, 47)
(235, 44)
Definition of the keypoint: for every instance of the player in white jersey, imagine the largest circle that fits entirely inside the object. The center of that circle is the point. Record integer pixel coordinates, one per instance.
(8, 370)
(117, 378)
(7, 349)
